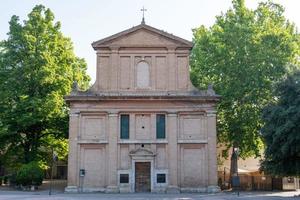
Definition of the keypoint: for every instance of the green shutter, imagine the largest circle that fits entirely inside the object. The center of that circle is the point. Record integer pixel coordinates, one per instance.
(124, 127)
(160, 126)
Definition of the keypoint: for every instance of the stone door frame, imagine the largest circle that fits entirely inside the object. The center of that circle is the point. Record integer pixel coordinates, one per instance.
(133, 172)
(142, 155)
(151, 173)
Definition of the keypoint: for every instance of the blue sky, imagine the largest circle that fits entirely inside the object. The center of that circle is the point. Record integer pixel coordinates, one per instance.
(91, 20)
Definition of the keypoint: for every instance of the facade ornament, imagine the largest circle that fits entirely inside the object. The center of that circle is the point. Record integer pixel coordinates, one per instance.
(143, 19)
(210, 90)
(75, 88)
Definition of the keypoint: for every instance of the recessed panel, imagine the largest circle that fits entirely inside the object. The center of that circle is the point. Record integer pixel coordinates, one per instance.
(103, 71)
(142, 126)
(182, 72)
(94, 166)
(193, 167)
(193, 127)
(161, 73)
(93, 127)
(125, 69)
(161, 160)
(124, 157)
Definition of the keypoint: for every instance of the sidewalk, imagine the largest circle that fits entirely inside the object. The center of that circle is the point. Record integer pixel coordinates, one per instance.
(44, 195)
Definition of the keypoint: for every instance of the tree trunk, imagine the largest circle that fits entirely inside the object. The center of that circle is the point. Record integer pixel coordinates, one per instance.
(26, 153)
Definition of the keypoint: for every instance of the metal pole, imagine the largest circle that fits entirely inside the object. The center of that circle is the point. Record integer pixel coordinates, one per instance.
(51, 175)
(237, 170)
(224, 178)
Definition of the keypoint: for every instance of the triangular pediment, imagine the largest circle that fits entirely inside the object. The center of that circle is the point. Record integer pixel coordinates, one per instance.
(142, 36)
(141, 152)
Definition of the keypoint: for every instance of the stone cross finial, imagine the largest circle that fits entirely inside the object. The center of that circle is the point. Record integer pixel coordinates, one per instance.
(143, 10)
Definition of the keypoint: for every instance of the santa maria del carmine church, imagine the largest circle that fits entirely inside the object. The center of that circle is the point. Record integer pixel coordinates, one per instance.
(142, 126)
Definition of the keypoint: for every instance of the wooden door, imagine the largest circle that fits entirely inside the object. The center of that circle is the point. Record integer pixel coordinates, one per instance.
(142, 177)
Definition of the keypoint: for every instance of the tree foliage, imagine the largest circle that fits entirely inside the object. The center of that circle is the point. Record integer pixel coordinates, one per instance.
(281, 131)
(244, 54)
(37, 68)
(30, 174)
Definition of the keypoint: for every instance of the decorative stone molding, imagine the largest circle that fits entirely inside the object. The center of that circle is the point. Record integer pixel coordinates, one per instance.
(211, 113)
(93, 189)
(92, 142)
(197, 190)
(114, 49)
(192, 141)
(74, 115)
(173, 190)
(143, 142)
(172, 114)
(113, 114)
(71, 189)
(171, 48)
(141, 152)
(112, 189)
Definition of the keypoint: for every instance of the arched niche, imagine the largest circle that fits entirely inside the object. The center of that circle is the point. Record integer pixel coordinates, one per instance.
(142, 75)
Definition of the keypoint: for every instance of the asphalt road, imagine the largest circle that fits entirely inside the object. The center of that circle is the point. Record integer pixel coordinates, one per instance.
(43, 195)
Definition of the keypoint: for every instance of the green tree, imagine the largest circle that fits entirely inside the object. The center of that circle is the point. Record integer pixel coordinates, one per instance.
(30, 174)
(244, 54)
(37, 68)
(281, 131)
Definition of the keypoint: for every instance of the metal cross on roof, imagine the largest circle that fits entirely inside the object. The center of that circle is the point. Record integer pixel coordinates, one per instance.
(143, 10)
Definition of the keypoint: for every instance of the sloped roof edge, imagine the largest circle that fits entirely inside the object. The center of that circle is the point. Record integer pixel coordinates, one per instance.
(142, 26)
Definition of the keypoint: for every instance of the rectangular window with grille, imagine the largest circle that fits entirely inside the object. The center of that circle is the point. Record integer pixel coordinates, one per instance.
(124, 178)
(160, 178)
(124, 130)
(160, 126)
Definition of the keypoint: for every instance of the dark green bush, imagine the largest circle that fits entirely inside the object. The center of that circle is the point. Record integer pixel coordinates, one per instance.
(30, 174)
(12, 179)
(1, 178)
(5, 179)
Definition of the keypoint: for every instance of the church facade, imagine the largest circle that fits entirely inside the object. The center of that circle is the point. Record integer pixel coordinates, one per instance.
(142, 126)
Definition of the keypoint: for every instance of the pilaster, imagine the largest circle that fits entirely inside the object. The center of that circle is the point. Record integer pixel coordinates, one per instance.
(98, 72)
(114, 68)
(172, 152)
(73, 171)
(212, 151)
(172, 68)
(112, 153)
